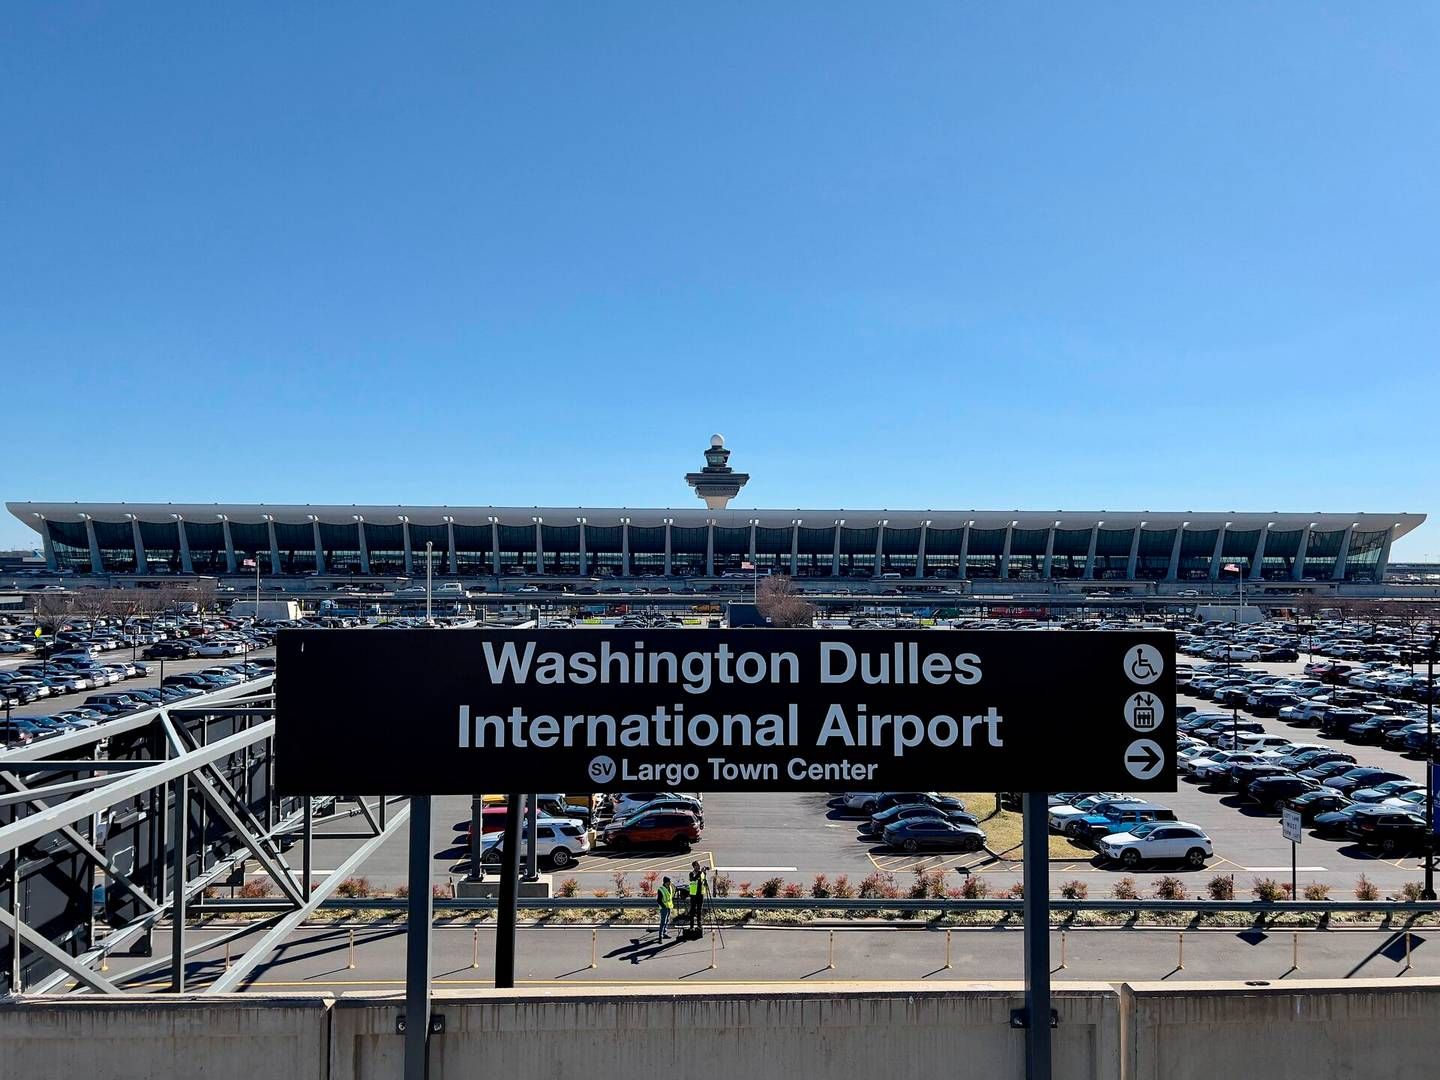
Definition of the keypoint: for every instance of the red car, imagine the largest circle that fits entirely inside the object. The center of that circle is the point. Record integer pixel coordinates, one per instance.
(661, 828)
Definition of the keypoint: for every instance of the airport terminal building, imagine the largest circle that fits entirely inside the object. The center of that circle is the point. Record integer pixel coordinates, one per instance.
(507, 541)
(474, 542)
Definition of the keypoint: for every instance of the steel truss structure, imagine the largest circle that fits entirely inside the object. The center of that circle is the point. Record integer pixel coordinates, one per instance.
(185, 771)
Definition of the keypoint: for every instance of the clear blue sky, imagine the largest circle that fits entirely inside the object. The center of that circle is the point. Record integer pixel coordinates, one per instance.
(951, 255)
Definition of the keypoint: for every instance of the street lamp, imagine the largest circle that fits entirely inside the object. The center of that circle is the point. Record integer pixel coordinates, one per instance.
(1429, 893)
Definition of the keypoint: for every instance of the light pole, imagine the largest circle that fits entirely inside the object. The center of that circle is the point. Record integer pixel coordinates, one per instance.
(1234, 704)
(1429, 893)
(429, 551)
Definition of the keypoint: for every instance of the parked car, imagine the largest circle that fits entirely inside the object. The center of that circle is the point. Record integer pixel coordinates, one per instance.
(1387, 828)
(933, 834)
(1319, 800)
(1273, 792)
(1157, 841)
(878, 823)
(560, 842)
(1388, 790)
(1347, 782)
(666, 828)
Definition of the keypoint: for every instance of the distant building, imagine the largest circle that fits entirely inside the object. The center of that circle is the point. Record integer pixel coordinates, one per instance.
(578, 541)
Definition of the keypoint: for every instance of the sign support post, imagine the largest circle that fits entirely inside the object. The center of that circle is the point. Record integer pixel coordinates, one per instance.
(1293, 829)
(509, 897)
(417, 944)
(1035, 1018)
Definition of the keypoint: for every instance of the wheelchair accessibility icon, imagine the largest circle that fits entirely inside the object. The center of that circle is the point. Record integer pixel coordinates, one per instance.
(1143, 664)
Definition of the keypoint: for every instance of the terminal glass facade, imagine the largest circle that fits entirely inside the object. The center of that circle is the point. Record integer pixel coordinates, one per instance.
(1196, 548)
(1321, 554)
(252, 541)
(942, 552)
(982, 560)
(161, 540)
(472, 549)
(1364, 558)
(1027, 553)
(72, 545)
(207, 546)
(1281, 548)
(1153, 562)
(1067, 557)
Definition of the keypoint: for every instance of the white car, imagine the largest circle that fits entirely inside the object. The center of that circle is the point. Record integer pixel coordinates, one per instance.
(560, 841)
(1058, 816)
(218, 648)
(1157, 841)
(1218, 764)
(622, 804)
(528, 588)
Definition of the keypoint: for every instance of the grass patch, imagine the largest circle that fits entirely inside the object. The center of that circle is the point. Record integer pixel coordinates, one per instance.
(1003, 829)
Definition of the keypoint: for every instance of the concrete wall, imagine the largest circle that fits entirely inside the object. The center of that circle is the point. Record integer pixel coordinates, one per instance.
(1386, 1029)
(1149, 1031)
(779, 1033)
(239, 1037)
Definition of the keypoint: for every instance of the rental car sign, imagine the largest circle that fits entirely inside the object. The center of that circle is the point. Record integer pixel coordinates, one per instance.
(419, 712)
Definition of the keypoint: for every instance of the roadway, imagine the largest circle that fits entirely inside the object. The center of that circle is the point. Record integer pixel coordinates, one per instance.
(318, 957)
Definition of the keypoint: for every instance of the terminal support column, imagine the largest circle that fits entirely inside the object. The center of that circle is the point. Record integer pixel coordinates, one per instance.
(625, 549)
(186, 565)
(1049, 553)
(710, 549)
(1384, 561)
(274, 547)
(794, 548)
(494, 548)
(835, 557)
(452, 560)
(97, 565)
(1340, 560)
(49, 543)
(1258, 563)
(1298, 571)
(1090, 553)
(1219, 550)
(364, 547)
(1134, 560)
(319, 546)
(667, 549)
(409, 555)
(879, 548)
(965, 552)
(142, 564)
(1005, 552)
(1173, 570)
(585, 560)
(920, 551)
(229, 546)
(539, 550)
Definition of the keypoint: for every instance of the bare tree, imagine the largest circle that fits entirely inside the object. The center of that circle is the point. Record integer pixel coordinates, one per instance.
(204, 594)
(51, 614)
(776, 599)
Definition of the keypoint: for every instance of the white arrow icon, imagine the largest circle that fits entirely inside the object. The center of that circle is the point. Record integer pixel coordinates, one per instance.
(1144, 759)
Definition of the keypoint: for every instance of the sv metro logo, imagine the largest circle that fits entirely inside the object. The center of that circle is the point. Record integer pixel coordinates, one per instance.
(602, 769)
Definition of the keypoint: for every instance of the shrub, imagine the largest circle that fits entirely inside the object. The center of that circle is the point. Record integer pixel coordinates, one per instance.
(1016, 891)
(569, 887)
(793, 891)
(442, 892)
(1268, 889)
(1365, 889)
(955, 892)
(745, 889)
(820, 887)
(928, 885)
(1125, 889)
(1317, 891)
(622, 884)
(974, 887)
(1411, 890)
(648, 882)
(842, 889)
(723, 884)
(254, 890)
(599, 892)
(402, 892)
(770, 887)
(1170, 888)
(879, 886)
(1221, 887)
(353, 888)
(1074, 890)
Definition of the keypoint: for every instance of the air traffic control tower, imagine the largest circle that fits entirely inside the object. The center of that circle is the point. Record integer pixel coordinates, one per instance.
(717, 483)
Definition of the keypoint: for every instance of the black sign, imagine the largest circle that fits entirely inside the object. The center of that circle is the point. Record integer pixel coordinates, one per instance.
(414, 712)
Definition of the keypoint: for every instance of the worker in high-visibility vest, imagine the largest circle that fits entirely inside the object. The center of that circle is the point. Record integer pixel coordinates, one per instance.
(665, 902)
(699, 889)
